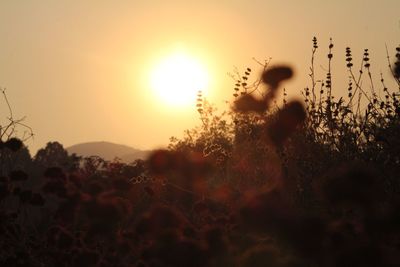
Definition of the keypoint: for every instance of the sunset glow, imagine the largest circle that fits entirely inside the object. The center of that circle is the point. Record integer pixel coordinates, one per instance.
(177, 78)
(199, 133)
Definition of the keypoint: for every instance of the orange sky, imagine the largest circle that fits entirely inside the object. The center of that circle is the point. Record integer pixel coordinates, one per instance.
(78, 70)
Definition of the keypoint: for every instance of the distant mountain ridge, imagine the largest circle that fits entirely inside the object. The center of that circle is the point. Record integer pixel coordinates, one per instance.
(108, 151)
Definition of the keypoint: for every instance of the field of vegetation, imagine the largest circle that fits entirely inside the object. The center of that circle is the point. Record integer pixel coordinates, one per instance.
(309, 182)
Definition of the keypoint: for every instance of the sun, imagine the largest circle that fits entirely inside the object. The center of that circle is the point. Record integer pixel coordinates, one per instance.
(177, 79)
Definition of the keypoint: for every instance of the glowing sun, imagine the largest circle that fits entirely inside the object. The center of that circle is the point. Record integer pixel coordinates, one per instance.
(176, 79)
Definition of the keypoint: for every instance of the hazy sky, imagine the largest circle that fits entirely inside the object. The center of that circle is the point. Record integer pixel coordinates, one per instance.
(78, 70)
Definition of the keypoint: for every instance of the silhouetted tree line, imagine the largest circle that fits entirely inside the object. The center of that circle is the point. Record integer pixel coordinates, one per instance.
(308, 183)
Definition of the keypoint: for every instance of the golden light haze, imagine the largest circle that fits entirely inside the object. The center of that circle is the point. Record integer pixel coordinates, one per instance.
(79, 70)
(177, 78)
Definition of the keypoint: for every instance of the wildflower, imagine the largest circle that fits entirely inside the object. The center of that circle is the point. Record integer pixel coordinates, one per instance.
(37, 200)
(248, 103)
(292, 115)
(18, 176)
(274, 76)
(14, 144)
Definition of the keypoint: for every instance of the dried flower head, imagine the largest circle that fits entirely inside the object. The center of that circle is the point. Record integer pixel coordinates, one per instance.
(275, 75)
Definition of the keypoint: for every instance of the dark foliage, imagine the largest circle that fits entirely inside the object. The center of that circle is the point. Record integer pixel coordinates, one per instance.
(305, 184)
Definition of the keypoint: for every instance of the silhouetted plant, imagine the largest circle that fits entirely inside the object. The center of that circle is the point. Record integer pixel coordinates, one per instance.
(12, 148)
(302, 184)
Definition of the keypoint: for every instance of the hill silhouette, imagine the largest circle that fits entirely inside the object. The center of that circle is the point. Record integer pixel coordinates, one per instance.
(108, 151)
